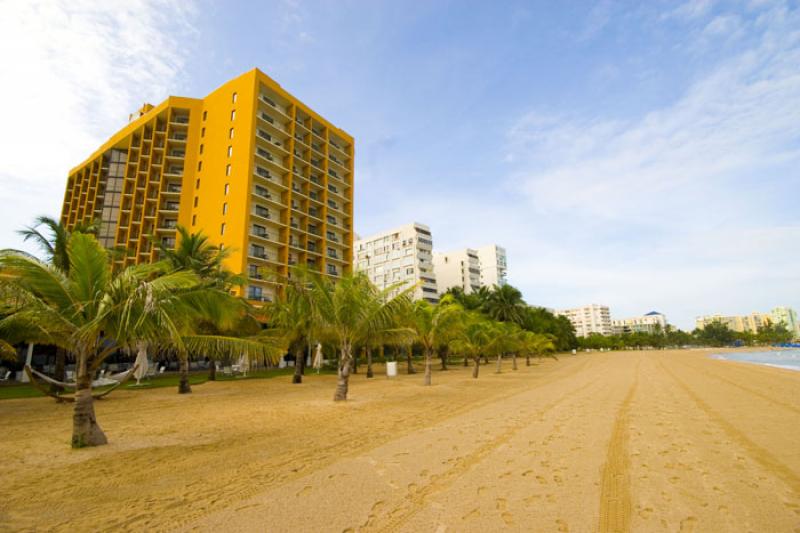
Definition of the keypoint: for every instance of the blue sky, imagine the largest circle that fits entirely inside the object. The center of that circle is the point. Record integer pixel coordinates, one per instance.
(640, 155)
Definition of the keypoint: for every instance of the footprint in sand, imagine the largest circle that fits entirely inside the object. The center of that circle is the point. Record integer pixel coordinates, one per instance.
(500, 504)
(541, 480)
(527, 473)
(688, 524)
(562, 526)
(508, 518)
(475, 513)
(302, 492)
(503, 475)
(482, 490)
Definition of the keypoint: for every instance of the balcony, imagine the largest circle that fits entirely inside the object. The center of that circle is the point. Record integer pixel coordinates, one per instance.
(170, 206)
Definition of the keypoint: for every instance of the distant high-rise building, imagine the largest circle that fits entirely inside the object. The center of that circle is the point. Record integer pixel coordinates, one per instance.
(399, 256)
(249, 165)
(589, 319)
(649, 323)
(494, 268)
(741, 323)
(786, 316)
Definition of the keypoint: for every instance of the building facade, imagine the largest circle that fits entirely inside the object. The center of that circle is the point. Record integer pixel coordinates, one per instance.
(652, 322)
(494, 267)
(402, 256)
(740, 323)
(589, 319)
(460, 268)
(249, 165)
(786, 316)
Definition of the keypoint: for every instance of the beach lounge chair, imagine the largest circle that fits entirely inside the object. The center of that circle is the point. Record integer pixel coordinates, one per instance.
(227, 371)
(162, 369)
(6, 376)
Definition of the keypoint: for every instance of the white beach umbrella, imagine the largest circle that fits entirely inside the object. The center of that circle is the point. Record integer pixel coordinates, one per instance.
(318, 358)
(141, 362)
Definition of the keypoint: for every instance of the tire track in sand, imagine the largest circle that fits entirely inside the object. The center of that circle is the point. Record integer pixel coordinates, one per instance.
(615, 492)
(759, 454)
(414, 501)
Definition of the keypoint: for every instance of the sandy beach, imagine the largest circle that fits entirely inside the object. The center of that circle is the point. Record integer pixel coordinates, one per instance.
(633, 441)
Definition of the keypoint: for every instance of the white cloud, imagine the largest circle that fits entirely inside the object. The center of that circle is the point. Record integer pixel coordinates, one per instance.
(72, 72)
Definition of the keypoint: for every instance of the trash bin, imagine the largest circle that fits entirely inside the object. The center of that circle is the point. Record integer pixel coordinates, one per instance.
(391, 369)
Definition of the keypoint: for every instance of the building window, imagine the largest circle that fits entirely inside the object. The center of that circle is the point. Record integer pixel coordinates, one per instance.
(233, 114)
(205, 115)
(197, 184)
(230, 151)
(199, 166)
(202, 132)
(225, 208)
(194, 220)
(227, 188)
(196, 199)
(222, 229)
(234, 97)
(227, 170)
(230, 133)
(201, 148)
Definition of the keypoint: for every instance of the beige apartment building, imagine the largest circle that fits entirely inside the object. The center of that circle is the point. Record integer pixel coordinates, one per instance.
(648, 323)
(403, 256)
(588, 319)
(741, 323)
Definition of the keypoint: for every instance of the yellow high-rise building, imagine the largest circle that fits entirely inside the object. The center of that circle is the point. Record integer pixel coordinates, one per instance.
(249, 165)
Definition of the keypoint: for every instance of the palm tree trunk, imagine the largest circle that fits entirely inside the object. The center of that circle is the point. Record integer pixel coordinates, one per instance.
(527, 359)
(476, 367)
(354, 361)
(85, 430)
(428, 358)
(183, 386)
(443, 357)
(485, 360)
(499, 364)
(299, 363)
(409, 362)
(60, 369)
(513, 360)
(212, 371)
(369, 362)
(466, 361)
(343, 377)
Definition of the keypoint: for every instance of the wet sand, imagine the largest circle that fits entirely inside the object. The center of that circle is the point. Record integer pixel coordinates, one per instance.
(633, 441)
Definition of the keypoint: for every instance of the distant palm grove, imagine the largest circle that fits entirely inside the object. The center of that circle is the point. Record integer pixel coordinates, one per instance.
(182, 308)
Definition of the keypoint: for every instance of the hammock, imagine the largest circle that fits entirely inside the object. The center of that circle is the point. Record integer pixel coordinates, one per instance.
(38, 379)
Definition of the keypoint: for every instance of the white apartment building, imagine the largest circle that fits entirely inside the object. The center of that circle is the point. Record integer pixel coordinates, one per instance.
(460, 268)
(494, 268)
(589, 319)
(649, 323)
(402, 255)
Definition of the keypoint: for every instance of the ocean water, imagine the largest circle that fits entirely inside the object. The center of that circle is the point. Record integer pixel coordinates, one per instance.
(783, 358)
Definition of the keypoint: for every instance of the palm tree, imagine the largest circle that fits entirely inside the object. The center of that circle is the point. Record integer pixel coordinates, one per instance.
(290, 315)
(505, 304)
(433, 326)
(474, 339)
(195, 253)
(507, 341)
(93, 312)
(54, 246)
(350, 312)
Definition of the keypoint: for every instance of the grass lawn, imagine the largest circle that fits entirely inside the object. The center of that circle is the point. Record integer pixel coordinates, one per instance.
(24, 390)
